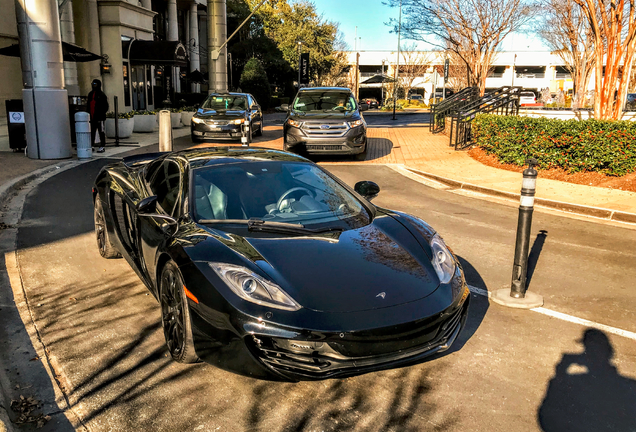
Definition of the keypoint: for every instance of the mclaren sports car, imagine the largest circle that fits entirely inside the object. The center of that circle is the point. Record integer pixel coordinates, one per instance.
(265, 264)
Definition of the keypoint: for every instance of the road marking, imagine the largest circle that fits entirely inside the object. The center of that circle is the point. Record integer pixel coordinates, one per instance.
(565, 317)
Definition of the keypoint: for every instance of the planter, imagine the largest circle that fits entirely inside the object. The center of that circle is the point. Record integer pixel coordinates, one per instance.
(175, 118)
(145, 123)
(186, 116)
(126, 127)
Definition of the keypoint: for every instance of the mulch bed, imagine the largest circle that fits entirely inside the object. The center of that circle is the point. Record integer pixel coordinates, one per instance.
(626, 182)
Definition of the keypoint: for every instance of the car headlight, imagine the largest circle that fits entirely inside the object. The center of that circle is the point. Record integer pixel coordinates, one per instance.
(294, 123)
(197, 120)
(443, 261)
(252, 287)
(355, 123)
(237, 121)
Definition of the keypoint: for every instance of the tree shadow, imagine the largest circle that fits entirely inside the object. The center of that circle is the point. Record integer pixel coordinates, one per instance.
(535, 253)
(587, 394)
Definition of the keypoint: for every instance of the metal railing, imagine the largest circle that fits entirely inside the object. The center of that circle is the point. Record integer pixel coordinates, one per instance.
(445, 108)
(503, 101)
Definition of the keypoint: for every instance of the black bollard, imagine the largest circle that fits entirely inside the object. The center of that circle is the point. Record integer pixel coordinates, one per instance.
(517, 295)
(518, 286)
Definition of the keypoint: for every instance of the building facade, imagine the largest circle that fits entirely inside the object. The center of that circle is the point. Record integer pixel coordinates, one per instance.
(149, 49)
(423, 70)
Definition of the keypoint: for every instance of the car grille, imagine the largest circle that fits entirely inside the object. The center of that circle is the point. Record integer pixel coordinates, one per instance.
(217, 122)
(327, 147)
(359, 351)
(325, 129)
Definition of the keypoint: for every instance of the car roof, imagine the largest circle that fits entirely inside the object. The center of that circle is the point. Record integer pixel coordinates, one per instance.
(209, 156)
(228, 94)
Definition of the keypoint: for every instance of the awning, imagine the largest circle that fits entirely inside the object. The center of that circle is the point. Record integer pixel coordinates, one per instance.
(376, 79)
(70, 53)
(166, 53)
(197, 77)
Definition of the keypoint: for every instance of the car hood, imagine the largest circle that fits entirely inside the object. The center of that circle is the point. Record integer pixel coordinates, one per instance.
(351, 116)
(376, 266)
(219, 115)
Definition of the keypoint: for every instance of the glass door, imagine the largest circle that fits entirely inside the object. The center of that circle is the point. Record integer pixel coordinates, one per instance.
(137, 78)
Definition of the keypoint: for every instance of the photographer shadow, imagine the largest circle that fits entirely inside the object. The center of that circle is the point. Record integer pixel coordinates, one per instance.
(587, 394)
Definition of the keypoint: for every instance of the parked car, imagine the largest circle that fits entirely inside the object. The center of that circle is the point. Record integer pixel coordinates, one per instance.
(527, 98)
(372, 103)
(266, 265)
(222, 116)
(630, 102)
(325, 120)
(416, 97)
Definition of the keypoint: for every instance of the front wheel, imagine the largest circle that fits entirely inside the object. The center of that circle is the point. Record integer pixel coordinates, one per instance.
(260, 130)
(175, 315)
(106, 249)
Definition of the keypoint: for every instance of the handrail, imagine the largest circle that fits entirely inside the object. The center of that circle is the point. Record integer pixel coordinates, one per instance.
(503, 101)
(445, 108)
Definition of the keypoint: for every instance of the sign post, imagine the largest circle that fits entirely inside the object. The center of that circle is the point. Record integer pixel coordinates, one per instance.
(304, 69)
(446, 66)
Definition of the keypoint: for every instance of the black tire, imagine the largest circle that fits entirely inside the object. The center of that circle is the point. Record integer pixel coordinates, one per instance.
(195, 139)
(106, 248)
(260, 130)
(175, 315)
(361, 156)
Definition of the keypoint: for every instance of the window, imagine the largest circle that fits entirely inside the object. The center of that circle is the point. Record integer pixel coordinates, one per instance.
(165, 184)
(126, 85)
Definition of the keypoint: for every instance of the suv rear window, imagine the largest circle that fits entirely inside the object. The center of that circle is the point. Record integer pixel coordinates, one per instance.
(324, 101)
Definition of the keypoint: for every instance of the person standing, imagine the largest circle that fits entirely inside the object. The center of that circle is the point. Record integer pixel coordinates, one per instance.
(97, 108)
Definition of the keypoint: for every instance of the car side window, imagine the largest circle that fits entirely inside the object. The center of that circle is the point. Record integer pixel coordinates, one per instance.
(166, 185)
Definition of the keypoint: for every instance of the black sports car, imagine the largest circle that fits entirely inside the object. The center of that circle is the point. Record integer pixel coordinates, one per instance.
(267, 265)
(224, 115)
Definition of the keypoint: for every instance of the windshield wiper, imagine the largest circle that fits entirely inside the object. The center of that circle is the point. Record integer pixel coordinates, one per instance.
(257, 224)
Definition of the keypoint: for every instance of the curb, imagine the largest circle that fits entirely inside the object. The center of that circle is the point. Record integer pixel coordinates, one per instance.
(597, 212)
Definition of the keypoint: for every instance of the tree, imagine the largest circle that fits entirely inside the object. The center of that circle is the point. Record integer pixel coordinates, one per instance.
(567, 32)
(254, 81)
(613, 26)
(414, 64)
(472, 29)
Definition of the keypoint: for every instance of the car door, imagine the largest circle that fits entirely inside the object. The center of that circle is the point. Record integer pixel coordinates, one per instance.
(166, 182)
(255, 113)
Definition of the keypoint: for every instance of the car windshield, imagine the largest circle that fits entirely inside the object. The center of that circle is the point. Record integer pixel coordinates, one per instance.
(224, 103)
(277, 191)
(324, 101)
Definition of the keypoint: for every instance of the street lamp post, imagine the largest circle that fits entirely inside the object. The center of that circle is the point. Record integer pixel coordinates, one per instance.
(300, 49)
(382, 97)
(397, 69)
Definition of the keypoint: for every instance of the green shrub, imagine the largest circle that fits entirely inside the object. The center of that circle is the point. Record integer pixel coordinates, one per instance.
(601, 146)
(122, 115)
(254, 81)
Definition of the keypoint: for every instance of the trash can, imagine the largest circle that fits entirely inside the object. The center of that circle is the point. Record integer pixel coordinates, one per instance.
(15, 124)
(83, 135)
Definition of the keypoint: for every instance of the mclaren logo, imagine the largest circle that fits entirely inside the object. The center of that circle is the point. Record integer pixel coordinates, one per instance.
(381, 295)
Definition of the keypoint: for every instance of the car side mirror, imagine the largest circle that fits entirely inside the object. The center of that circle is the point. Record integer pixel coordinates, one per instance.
(367, 189)
(147, 205)
(285, 107)
(364, 107)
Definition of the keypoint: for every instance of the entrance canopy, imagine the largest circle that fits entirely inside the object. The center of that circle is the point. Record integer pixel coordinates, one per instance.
(70, 53)
(165, 53)
(377, 79)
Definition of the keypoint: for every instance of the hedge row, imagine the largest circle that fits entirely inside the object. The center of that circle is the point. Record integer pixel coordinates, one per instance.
(608, 147)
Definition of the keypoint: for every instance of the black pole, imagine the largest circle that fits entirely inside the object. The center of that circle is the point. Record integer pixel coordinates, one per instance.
(116, 123)
(518, 285)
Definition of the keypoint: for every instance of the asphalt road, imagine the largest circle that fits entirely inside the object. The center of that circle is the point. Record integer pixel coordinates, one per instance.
(511, 370)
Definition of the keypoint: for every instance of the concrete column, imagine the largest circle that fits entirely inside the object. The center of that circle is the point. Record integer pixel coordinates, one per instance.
(45, 99)
(193, 44)
(173, 35)
(67, 31)
(86, 20)
(146, 4)
(217, 34)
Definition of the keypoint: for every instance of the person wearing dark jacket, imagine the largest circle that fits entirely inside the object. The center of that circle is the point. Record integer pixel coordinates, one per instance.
(97, 108)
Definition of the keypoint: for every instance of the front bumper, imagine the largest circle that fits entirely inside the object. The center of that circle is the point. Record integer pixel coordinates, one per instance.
(314, 345)
(352, 142)
(204, 131)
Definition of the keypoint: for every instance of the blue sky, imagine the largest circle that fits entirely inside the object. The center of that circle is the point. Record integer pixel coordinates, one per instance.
(370, 15)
